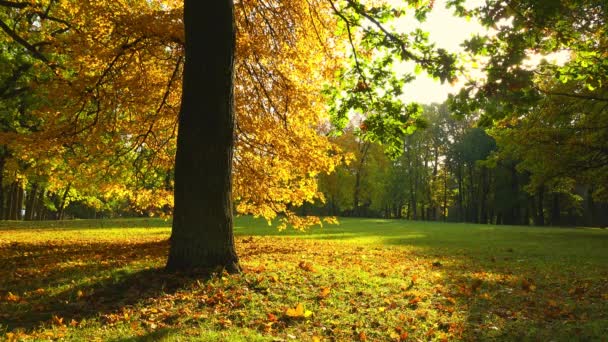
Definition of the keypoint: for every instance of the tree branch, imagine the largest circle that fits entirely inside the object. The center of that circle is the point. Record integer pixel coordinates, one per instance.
(29, 47)
(13, 4)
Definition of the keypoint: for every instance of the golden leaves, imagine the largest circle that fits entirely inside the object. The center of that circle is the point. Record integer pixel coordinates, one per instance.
(324, 292)
(528, 284)
(306, 266)
(298, 312)
(116, 102)
(10, 297)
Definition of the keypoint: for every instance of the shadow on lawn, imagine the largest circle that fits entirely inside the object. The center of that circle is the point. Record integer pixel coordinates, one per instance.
(151, 336)
(107, 277)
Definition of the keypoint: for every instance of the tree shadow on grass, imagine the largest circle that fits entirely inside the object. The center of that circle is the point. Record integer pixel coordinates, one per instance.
(152, 336)
(81, 281)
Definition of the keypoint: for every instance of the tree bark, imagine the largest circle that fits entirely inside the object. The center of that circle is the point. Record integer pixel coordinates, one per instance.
(364, 149)
(30, 205)
(2, 161)
(64, 197)
(40, 207)
(20, 196)
(555, 210)
(445, 195)
(202, 235)
(12, 205)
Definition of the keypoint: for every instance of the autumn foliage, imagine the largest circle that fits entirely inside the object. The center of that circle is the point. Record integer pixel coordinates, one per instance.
(363, 280)
(107, 94)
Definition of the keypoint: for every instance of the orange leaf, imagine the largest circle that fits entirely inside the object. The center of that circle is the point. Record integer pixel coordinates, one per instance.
(306, 266)
(58, 320)
(527, 285)
(324, 292)
(298, 312)
(10, 297)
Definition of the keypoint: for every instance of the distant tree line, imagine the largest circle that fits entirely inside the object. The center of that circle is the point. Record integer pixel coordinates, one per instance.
(455, 171)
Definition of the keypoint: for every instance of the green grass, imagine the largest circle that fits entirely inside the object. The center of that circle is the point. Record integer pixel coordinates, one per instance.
(365, 279)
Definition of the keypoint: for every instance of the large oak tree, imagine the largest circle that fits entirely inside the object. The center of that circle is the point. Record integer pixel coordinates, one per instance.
(202, 234)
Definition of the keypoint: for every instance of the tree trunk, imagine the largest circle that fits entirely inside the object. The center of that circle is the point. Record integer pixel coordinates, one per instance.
(12, 205)
(472, 201)
(30, 205)
(202, 236)
(61, 210)
(460, 195)
(2, 161)
(590, 207)
(445, 195)
(484, 189)
(359, 170)
(555, 210)
(20, 198)
(40, 207)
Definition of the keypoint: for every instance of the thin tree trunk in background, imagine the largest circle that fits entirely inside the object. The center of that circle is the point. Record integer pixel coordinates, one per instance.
(460, 195)
(64, 197)
(12, 202)
(20, 198)
(2, 163)
(483, 201)
(40, 207)
(30, 205)
(2, 209)
(445, 195)
(515, 212)
(358, 171)
(471, 202)
(202, 235)
(590, 215)
(555, 210)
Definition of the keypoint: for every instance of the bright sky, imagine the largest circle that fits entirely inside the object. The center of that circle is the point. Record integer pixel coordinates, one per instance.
(446, 31)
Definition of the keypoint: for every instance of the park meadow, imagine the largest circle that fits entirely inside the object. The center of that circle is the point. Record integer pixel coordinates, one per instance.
(361, 280)
(303, 170)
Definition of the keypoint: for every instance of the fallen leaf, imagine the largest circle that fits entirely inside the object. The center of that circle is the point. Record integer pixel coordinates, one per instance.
(476, 284)
(58, 321)
(415, 300)
(527, 285)
(10, 297)
(298, 312)
(306, 266)
(324, 292)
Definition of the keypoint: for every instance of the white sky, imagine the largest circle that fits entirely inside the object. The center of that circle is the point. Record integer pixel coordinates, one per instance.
(446, 31)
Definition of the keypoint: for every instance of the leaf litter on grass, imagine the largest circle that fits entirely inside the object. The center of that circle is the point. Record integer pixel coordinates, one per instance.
(87, 286)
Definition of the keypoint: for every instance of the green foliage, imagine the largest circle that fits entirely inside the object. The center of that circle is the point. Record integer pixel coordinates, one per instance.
(539, 27)
(378, 279)
(370, 85)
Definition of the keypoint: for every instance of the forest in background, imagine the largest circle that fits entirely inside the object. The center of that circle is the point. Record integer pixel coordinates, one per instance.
(525, 145)
(518, 173)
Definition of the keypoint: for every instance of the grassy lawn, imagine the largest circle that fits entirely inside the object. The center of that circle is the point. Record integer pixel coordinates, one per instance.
(365, 279)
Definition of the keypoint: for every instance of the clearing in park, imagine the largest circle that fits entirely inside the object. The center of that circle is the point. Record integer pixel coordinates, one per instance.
(365, 279)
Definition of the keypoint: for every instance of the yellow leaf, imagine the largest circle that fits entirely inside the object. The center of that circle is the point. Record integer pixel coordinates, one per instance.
(10, 297)
(298, 312)
(58, 320)
(324, 292)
